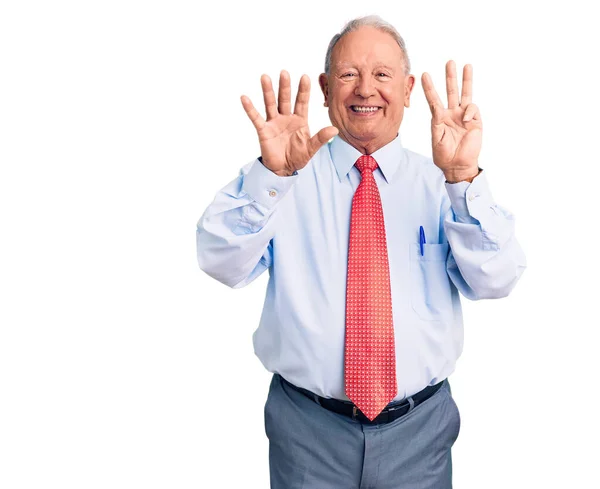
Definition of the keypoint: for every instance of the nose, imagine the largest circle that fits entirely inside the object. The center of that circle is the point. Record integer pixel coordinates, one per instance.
(364, 87)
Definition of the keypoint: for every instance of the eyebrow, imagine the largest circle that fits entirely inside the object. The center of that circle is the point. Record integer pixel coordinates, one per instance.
(345, 66)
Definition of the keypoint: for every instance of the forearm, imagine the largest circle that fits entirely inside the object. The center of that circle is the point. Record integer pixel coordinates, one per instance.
(486, 259)
(234, 233)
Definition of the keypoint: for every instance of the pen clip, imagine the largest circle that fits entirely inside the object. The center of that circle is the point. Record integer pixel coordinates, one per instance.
(422, 239)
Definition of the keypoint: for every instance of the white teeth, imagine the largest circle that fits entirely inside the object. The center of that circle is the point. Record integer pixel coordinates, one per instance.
(364, 109)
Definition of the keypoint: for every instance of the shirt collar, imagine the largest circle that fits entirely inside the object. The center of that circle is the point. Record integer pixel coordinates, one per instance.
(388, 157)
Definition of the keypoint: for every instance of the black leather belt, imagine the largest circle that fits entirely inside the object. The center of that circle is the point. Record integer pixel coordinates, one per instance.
(393, 410)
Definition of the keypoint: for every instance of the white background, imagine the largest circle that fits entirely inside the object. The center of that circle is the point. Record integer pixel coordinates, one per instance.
(122, 365)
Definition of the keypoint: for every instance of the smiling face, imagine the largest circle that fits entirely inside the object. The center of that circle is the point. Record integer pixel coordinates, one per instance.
(366, 90)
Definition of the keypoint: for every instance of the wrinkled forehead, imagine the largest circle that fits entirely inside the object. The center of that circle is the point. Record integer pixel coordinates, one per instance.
(367, 47)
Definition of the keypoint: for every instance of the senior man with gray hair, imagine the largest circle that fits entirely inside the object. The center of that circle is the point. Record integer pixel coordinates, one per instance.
(368, 246)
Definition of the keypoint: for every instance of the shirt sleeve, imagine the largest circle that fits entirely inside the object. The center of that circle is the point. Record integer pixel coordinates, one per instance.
(485, 261)
(234, 235)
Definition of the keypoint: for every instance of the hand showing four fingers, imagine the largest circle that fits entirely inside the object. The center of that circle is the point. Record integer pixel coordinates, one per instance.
(456, 130)
(285, 141)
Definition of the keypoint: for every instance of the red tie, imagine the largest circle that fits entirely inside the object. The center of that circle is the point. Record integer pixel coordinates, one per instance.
(370, 359)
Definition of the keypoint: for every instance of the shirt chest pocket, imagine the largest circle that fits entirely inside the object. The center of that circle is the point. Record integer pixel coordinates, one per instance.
(430, 293)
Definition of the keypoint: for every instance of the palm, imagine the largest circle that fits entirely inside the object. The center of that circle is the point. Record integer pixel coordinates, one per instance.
(285, 141)
(455, 131)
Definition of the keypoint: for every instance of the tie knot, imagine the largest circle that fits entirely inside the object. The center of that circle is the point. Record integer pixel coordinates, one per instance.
(366, 162)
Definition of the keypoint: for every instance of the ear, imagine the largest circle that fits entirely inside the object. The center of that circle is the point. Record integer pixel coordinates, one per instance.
(324, 84)
(409, 83)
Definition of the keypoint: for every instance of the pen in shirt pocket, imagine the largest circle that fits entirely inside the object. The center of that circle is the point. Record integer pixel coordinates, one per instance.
(422, 239)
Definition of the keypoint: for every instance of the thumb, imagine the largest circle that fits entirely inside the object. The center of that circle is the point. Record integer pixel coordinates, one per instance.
(471, 113)
(320, 139)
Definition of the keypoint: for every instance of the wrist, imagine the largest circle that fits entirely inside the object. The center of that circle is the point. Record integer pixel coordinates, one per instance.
(284, 173)
(279, 173)
(462, 176)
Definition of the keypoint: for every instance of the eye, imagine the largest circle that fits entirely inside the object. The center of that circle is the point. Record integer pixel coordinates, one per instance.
(382, 75)
(348, 75)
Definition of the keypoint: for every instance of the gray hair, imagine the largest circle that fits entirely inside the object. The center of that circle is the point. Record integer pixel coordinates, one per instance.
(370, 21)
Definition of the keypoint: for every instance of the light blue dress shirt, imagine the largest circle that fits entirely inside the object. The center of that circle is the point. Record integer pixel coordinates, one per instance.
(298, 227)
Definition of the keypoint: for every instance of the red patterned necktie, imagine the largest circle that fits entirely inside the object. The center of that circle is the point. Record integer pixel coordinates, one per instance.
(370, 359)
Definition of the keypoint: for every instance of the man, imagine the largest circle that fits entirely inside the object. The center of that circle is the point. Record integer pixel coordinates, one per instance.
(367, 245)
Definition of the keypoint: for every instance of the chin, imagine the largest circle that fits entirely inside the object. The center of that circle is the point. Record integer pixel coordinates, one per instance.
(366, 136)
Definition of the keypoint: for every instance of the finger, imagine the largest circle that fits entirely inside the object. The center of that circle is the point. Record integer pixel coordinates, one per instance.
(451, 84)
(320, 139)
(433, 99)
(253, 114)
(285, 93)
(471, 113)
(269, 96)
(302, 98)
(467, 86)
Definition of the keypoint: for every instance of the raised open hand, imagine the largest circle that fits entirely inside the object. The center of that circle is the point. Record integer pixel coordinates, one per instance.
(455, 131)
(285, 142)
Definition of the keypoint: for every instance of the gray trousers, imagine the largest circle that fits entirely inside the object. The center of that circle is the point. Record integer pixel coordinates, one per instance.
(313, 448)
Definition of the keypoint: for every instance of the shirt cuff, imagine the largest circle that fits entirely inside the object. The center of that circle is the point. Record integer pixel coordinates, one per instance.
(264, 186)
(470, 199)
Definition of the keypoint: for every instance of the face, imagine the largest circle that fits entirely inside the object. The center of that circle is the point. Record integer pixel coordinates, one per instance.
(367, 90)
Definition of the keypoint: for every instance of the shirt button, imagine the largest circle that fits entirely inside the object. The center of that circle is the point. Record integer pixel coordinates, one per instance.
(272, 193)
